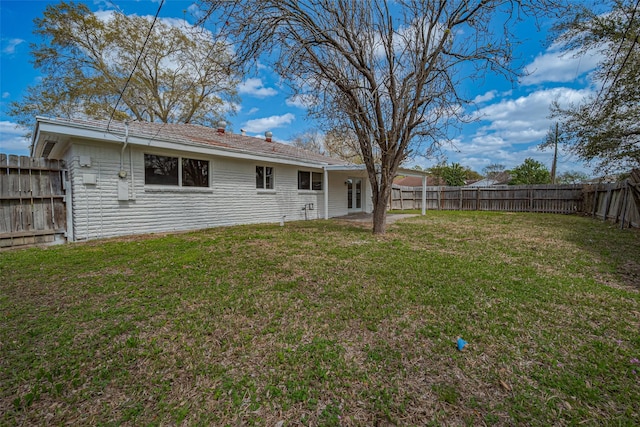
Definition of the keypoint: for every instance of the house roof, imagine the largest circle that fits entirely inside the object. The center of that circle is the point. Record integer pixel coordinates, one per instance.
(187, 137)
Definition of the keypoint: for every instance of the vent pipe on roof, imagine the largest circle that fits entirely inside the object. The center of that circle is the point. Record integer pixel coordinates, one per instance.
(268, 135)
(221, 126)
(243, 132)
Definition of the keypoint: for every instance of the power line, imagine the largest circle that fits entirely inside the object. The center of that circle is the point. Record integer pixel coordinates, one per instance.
(213, 48)
(155, 18)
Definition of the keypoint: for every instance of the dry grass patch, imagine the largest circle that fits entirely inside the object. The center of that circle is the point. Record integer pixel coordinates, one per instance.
(321, 323)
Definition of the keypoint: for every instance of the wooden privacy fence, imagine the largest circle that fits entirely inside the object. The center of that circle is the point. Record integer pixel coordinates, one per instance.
(32, 208)
(563, 199)
(618, 203)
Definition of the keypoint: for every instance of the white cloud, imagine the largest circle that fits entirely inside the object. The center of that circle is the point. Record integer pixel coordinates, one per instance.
(196, 11)
(268, 123)
(301, 101)
(485, 97)
(526, 116)
(255, 87)
(9, 46)
(253, 110)
(556, 66)
(5, 95)
(12, 140)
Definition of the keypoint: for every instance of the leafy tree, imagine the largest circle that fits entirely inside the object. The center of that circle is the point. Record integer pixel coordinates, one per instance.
(605, 128)
(572, 177)
(471, 175)
(454, 175)
(387, 72)
(530, 172)
(182, 74)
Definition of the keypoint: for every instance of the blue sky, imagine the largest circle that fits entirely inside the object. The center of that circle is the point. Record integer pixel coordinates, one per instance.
(513, 119)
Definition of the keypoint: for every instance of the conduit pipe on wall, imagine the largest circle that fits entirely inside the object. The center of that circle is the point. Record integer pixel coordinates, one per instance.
(123, 173)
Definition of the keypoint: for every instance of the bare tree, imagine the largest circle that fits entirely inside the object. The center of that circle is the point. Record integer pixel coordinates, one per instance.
(388, 72)
(311, 140)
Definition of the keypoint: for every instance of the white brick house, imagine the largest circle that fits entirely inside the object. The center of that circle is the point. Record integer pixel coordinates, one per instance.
(134, 178)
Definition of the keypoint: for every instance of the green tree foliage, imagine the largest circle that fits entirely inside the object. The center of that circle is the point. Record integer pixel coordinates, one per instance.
(182, 74)
(388, 72)
(530, 172)
(605, 128)
(454, 175)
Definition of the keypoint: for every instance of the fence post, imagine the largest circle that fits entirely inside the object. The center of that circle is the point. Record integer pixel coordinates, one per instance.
(530, 190)
(607, 204)
(624, 203)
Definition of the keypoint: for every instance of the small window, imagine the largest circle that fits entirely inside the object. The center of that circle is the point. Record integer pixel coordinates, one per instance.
(175, 171)
(264, 177)
(195, 173)
(160, 170)
(316, 181)
(304, 180)
(309, 180)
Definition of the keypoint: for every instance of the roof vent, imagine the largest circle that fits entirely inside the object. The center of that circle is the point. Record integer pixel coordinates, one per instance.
(243, 132)
(268, 135)
(221, 126)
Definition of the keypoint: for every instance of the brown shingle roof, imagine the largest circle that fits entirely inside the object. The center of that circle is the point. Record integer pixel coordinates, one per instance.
(196, 134)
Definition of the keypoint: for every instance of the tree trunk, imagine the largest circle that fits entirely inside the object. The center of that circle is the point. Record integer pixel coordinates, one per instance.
(380, 216)
(380, 206)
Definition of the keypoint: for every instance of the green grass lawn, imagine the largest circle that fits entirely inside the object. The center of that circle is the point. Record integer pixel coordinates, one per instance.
(323, 323)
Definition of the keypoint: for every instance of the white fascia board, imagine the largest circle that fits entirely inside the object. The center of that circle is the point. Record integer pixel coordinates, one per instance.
(46, 126)
(346, 167)
(412, 172)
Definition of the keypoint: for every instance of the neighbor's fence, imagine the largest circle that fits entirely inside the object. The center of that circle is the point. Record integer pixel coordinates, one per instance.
(32, 208)
(563, 199)
(618, 203)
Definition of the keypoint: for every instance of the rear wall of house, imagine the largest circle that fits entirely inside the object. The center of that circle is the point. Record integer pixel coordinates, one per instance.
(232, 197)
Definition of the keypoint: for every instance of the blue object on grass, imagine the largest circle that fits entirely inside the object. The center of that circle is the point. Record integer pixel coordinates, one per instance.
(461, 344)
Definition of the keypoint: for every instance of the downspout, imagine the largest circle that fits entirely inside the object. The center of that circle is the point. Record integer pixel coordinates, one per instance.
(123, 173)
(326, 193)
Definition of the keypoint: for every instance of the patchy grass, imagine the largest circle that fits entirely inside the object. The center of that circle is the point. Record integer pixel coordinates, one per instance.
(322, 323)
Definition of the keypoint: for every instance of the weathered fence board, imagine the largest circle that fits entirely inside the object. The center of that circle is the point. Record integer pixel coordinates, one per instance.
(32, 208)
(564, 199)
(618, 203)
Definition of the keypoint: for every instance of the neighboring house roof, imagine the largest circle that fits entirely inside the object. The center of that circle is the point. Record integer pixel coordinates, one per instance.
(500, 179)
(175, 136)
(483, 183)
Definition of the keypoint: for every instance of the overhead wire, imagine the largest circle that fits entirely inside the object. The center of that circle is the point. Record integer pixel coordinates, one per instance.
(213, 48)
(153, 23)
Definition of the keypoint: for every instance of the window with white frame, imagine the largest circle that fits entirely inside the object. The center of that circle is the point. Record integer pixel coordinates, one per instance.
(264, 177)
(309, 180)
(175, 171)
